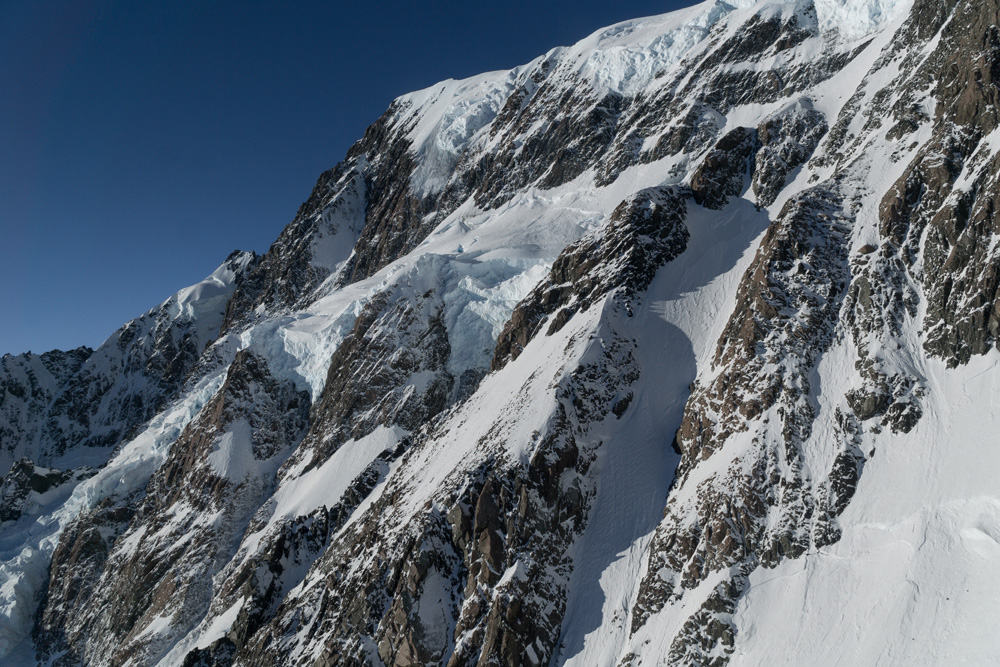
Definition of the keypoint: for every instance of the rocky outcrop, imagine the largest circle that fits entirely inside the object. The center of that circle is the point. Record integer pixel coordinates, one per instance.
(758, 507)
(725, 170)
(479, 574)
(643, 233)
(951, 189)
(391, 370)
(366, 203)
(761, 159)
(147, 561)
(787, 141)
(291, 270)
(26, 482)
(397, 217)
(98, 398)
(579, 123)
(777, 512)
(78, 564)
(685, 114)
(28, 385)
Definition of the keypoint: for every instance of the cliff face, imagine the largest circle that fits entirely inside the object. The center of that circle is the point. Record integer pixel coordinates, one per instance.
(676, 346)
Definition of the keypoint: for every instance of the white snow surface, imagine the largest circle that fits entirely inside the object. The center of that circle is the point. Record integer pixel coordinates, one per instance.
(854, 19)
(209, 296)
(913, 579)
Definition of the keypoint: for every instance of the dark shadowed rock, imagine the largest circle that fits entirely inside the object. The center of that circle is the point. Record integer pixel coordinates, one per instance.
(644, 232)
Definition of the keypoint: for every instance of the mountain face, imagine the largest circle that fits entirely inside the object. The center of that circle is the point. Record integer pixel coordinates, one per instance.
(676, 346)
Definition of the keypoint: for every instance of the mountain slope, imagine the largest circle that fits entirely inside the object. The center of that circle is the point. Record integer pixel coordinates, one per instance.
(675, 346)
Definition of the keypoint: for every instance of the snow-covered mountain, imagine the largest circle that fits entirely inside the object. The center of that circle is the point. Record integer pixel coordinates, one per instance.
(676, 346)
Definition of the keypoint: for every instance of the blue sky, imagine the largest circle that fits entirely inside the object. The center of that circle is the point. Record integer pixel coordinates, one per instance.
(142, 142)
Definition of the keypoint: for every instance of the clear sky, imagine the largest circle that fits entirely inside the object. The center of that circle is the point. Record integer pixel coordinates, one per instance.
(142, 142)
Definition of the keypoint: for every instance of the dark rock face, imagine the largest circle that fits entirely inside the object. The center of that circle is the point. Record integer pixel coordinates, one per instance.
(773, 513)
(766, 156)
(286, 274)
(395, 338)
(133, 559)
(78, 564)
(218, 654)
(26, 479)
(397, 218)
(787, 140)
(367, 199)
(579, 124)
(644, 232)
(28, 385)
(724, 171)
(99, 398)
(959, 173)
(498, 516)
(878, 303)
(552, 127)
(685, 115)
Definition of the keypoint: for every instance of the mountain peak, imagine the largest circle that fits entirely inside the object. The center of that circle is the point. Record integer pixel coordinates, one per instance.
(673, 346)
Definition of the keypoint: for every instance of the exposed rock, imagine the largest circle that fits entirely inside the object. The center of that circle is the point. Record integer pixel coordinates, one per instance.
(218, 654)
(372, 378)
(78, 563)
(757, 510)
(725, 170)
(148, 556)
(499, 550)
(644, 232)
(787, 141)
(438, 505)
(99, 398)
(26, 479)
